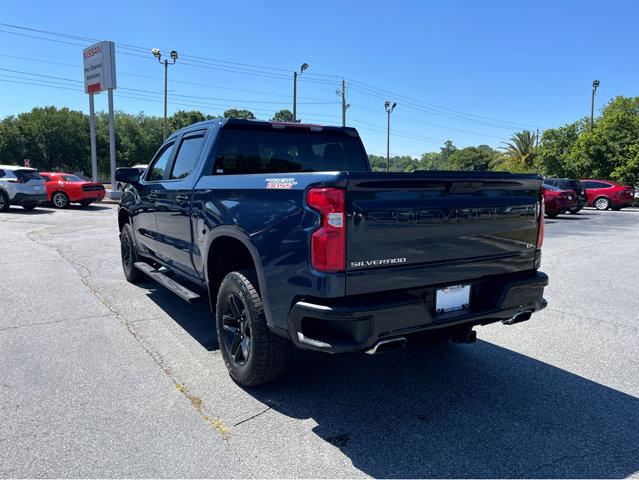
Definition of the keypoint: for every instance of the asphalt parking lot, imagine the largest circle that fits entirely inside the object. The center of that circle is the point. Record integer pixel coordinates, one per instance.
(102, 378)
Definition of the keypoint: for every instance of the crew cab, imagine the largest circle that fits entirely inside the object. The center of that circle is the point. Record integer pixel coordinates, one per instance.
(297, 242)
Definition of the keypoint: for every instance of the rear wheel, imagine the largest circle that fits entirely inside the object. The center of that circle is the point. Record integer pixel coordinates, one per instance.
(28, 208)
(252, 353)
(4, 201)
(552, 214)
(575, 211)
(602, 203)
(129, 255)
(60, 200)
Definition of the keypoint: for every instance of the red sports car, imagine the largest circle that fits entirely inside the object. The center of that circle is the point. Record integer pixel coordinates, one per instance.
(65, 188)
(604, 194)
(558, 201)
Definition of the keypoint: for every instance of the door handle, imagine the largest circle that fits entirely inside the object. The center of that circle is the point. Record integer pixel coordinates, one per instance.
(182, 199)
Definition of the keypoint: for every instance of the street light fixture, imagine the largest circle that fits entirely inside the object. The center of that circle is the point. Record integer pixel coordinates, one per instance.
(174, 56)
(295, 74)
(595, 85)
(389, 107)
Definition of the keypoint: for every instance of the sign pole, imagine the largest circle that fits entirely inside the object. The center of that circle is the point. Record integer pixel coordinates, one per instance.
(112, 140)
(94, 156)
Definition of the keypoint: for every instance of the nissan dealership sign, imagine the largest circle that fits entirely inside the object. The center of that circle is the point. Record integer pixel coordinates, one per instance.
(99, 67)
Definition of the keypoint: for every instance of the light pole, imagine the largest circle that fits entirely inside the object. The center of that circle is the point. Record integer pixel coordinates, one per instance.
(595, 84)
(389, 108)
(302, 69)
(174, 56)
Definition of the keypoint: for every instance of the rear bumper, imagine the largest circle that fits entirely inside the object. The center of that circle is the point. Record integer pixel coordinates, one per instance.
(357, 323)
(27, 199)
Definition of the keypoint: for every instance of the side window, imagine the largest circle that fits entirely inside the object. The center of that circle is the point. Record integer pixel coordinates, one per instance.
(587, 184)
(186, 157)
(45, 178)
(1, 173)
(157, 168)
(603, 185)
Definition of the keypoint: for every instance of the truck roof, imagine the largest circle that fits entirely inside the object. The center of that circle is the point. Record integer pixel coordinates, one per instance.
(262, 124)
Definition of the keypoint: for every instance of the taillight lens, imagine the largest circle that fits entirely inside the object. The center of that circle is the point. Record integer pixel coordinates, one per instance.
(328, 242)
(542, 221)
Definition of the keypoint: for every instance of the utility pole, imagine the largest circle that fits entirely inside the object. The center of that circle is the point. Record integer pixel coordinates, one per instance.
(389, 108)
(537, 138)
(595, 84)
(174, 56)
(302, 69)
(345, 106)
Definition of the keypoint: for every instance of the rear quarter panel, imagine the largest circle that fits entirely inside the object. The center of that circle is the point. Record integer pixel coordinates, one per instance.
(274, 224)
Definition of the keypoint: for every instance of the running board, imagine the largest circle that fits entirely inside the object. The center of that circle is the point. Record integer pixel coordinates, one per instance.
(180, 290)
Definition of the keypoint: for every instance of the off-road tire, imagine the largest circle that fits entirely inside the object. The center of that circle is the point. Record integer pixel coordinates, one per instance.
(268, 354)
(129, 256)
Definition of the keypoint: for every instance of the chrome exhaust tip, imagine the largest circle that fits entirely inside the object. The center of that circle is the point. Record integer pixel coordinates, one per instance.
(520, 317)
(388, 345)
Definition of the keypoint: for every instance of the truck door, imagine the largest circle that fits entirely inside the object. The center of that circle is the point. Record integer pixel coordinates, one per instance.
(175, 240)
(144, 220)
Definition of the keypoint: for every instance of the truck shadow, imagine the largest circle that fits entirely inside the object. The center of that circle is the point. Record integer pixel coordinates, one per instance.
(196, 318)
(461, 411)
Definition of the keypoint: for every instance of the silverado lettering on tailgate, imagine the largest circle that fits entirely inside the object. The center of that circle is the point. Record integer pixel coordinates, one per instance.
(454, 215)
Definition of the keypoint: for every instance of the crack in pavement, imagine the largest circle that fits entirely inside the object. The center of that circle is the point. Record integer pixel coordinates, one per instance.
(85, 276)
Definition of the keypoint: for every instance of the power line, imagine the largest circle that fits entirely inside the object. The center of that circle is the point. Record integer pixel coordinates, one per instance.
(277, 73)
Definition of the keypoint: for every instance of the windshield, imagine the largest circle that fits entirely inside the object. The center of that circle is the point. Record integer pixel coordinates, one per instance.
(249, 149)
(72, 178)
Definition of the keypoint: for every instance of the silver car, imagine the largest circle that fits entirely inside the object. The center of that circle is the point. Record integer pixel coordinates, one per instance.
(21, 186)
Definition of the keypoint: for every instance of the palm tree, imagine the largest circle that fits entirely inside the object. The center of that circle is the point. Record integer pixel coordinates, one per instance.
(521, 148)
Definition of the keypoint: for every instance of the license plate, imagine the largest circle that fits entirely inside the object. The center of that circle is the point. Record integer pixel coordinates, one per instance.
(452, 299)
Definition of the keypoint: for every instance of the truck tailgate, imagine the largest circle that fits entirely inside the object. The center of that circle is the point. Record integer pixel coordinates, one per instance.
(424, 228)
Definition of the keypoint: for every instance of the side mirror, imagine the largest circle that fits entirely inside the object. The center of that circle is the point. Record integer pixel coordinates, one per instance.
(127, 175)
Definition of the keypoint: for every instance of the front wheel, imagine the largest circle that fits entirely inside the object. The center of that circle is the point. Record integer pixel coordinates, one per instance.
(575, 211)
(552, 214)
(602, 203)
(129, 256)
(252, 353)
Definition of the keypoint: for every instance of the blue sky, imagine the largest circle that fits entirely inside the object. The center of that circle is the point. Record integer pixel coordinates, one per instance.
(473, 72)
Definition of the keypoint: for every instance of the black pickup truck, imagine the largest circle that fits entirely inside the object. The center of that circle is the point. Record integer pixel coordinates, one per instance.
(297, 242)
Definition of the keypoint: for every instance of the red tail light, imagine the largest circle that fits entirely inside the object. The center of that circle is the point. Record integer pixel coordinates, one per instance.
(542, 221)
(328, 242)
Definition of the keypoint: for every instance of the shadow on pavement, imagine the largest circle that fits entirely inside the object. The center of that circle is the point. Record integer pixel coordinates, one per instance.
(462, 411)
(21, 211)
(447, 410)
(195, 318)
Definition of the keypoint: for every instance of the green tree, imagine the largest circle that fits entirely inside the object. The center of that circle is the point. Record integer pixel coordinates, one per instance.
(283, 116)
(446, 151)
(556, 144)
(430, 161)
(521, 148)
(183, 118)
(240, 114)
(471, 158)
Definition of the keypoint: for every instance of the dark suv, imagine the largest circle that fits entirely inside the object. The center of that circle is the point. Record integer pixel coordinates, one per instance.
(570, 184)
